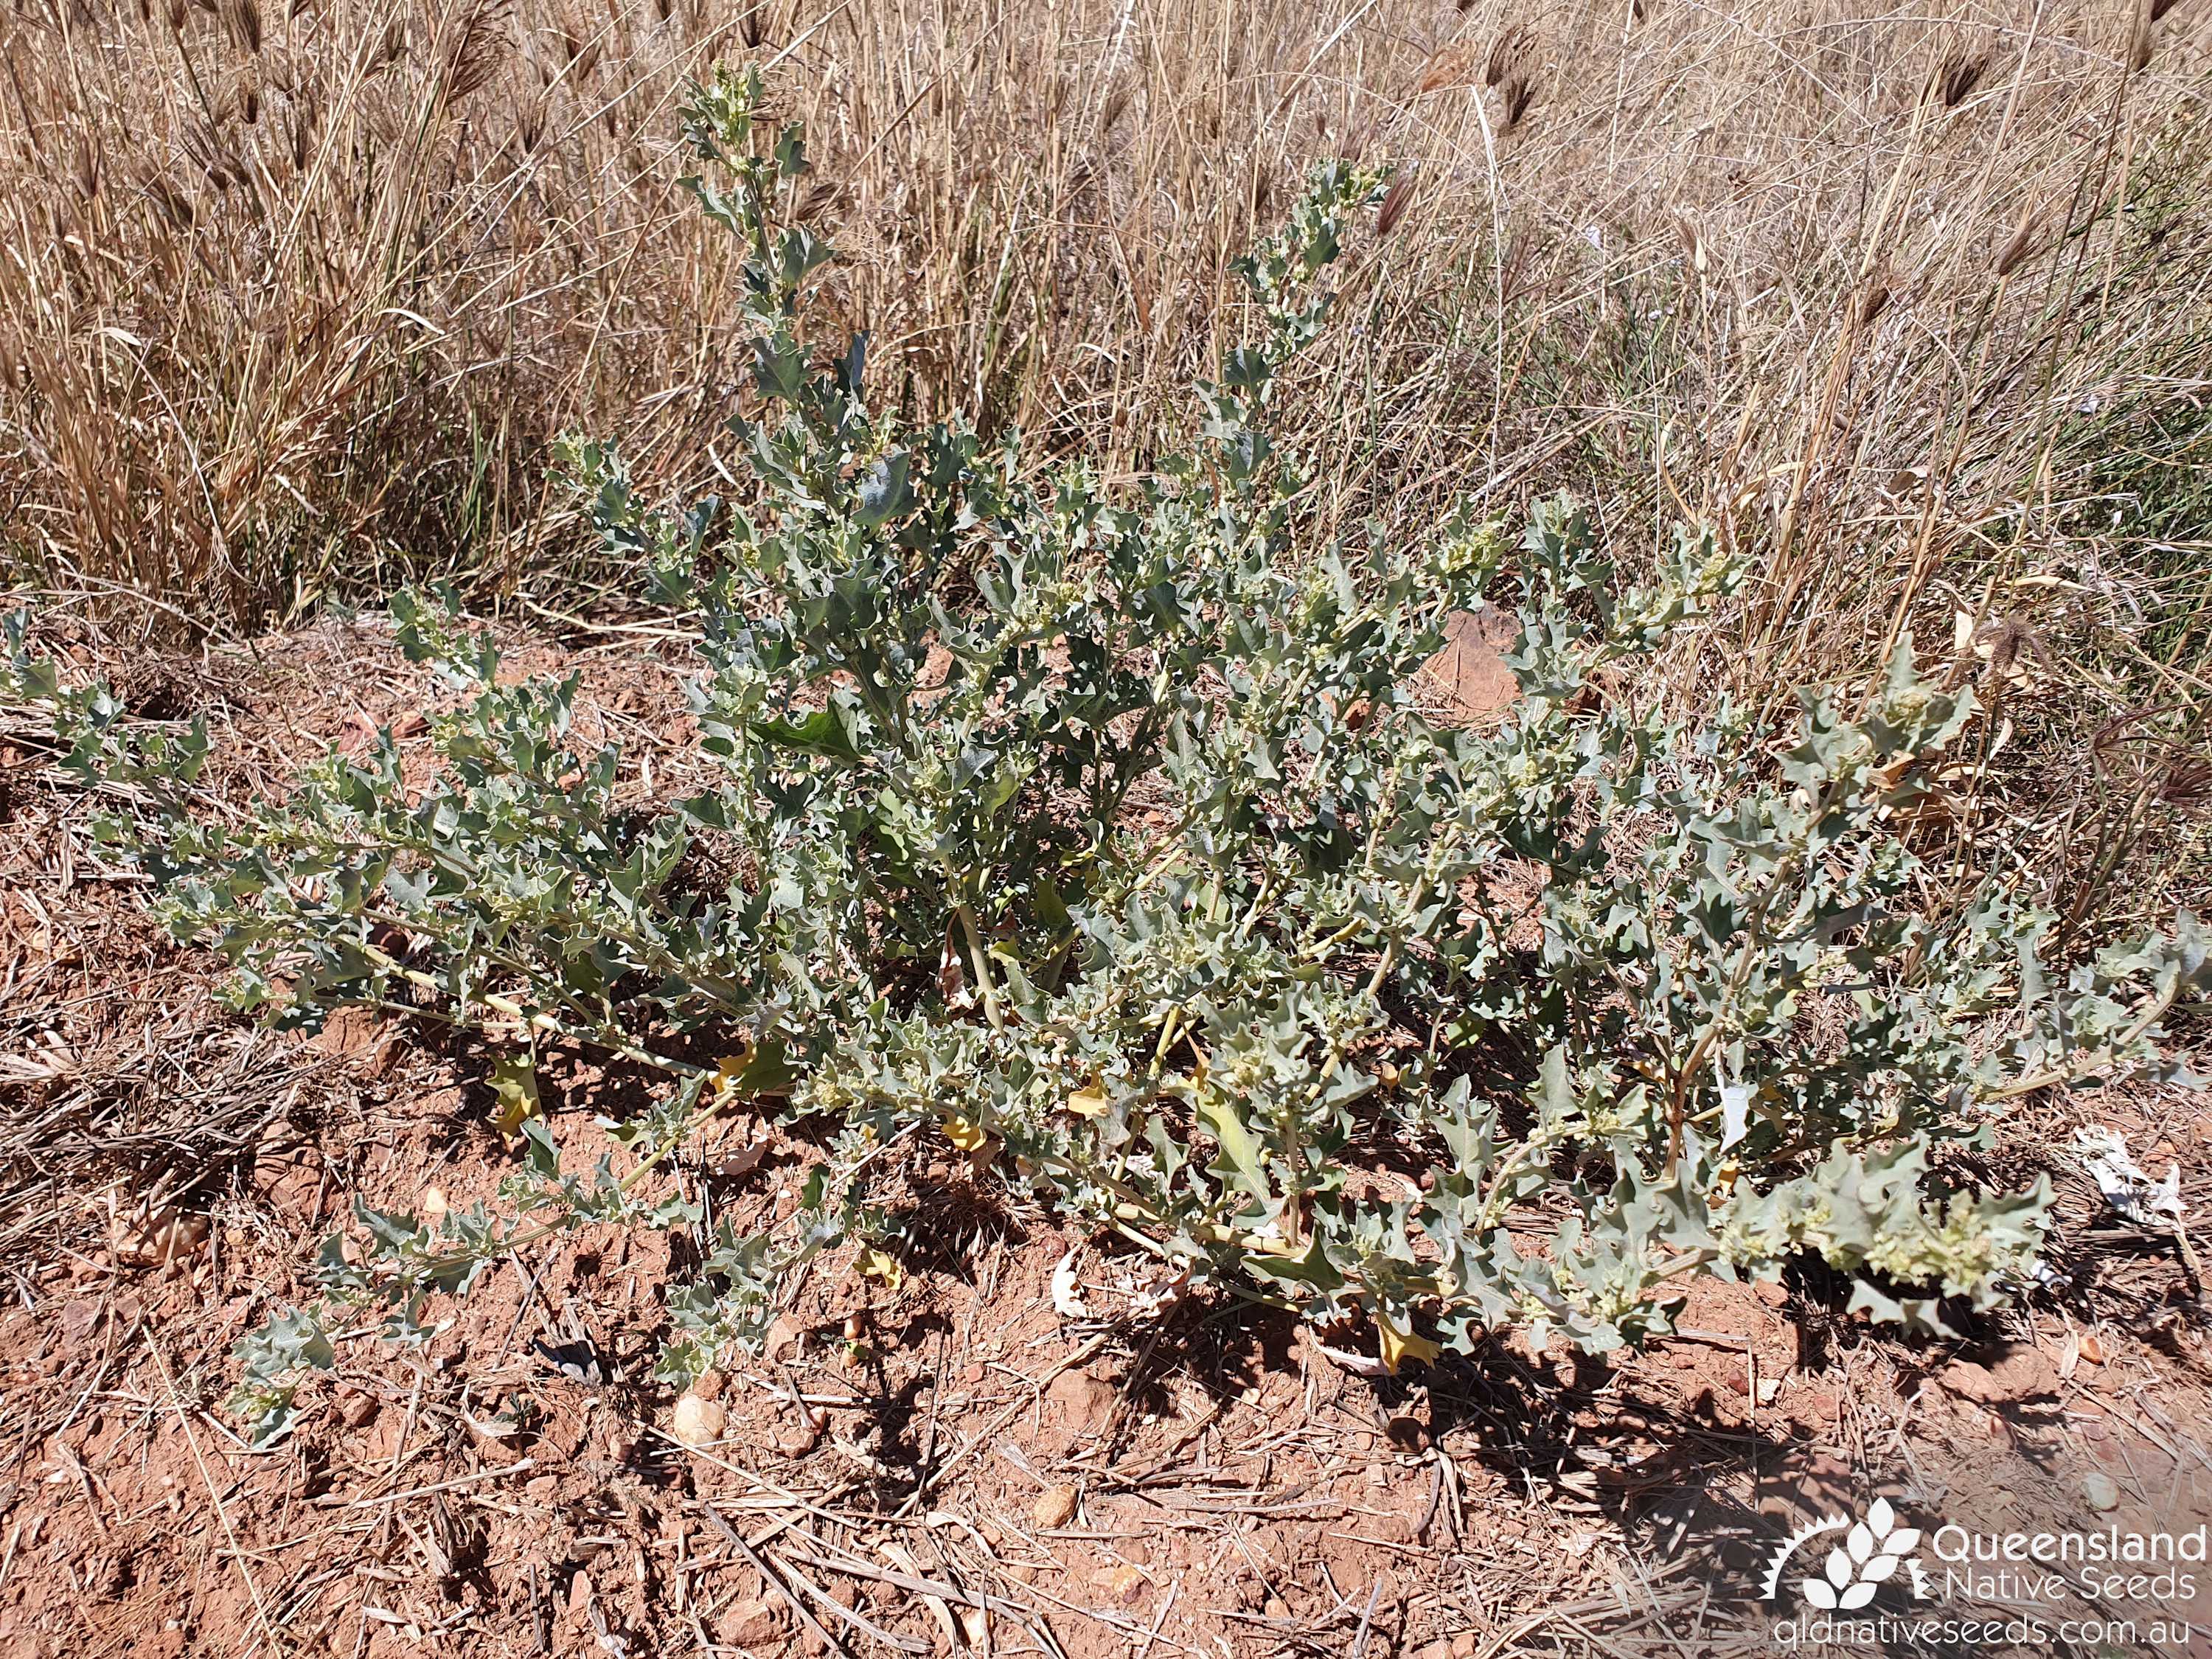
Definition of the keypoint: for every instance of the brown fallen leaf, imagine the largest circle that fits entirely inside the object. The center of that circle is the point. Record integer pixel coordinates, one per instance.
(1451, 67)
(169, 1235)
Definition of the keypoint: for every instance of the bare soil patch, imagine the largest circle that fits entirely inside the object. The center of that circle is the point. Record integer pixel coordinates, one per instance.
(934, 1463)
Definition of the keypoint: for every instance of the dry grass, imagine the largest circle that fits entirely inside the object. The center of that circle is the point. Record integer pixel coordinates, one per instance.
(1913, 305)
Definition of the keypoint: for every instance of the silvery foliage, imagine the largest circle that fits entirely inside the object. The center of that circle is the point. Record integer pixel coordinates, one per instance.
(1104, 833)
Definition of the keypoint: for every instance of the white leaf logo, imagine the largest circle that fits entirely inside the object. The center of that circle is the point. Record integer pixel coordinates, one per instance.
(1871, 1554)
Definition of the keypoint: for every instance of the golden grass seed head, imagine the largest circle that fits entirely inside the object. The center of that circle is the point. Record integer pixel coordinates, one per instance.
(241, 21)
(1448, 67)
(1516, 95)
(87, 178)
(1507, 53)
(480, 41)
(2018, 245)
(1395, 201)
(1110, 112)
(1957, 76)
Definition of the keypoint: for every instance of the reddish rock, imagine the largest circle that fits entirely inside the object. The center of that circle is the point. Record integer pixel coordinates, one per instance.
(1813, 1411)
(356, 1409)
(1470, 671)
(2022, 1372)
(757, 1625)
(1123, 1586)
(1084, 1400)
(1055, 1507)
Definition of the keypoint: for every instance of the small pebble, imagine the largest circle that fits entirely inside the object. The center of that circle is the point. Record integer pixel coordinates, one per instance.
(699, 1421)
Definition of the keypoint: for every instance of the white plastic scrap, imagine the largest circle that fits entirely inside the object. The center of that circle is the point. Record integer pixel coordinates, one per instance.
(2126, 1187)
(1066, 1301)
(1735, 1114)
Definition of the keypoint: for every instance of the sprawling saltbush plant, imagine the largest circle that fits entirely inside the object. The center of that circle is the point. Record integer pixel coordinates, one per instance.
(1105, 835)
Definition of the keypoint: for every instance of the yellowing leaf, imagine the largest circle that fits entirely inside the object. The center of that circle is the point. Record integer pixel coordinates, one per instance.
(1399, 1346)
(723, 1087)
(514, 1083)
(1089, 1101)
(872, 1263)
(965, 1134)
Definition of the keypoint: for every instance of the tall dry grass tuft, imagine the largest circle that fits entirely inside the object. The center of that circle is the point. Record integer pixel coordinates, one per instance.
(1913, 306)
(291, 300)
